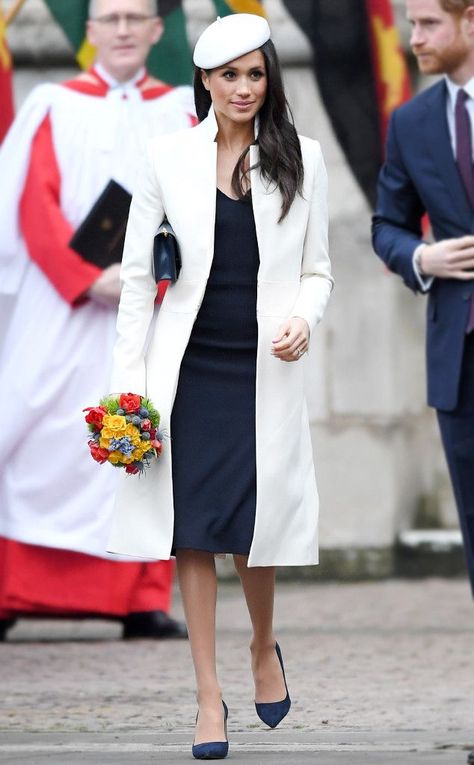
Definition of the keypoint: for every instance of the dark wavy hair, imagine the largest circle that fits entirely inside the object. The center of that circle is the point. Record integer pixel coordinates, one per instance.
(279, 147)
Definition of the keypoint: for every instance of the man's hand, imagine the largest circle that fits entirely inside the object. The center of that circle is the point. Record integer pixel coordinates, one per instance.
(449, 258)
(106, 289)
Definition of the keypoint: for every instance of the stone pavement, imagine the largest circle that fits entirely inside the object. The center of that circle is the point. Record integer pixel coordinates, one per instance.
(379, 673)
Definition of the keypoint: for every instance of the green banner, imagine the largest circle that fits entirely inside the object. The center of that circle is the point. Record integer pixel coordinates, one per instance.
(71, 17)
(222, 8)
(171, 60)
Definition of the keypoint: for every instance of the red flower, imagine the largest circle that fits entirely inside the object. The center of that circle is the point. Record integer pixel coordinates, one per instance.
(146, 425)
(130, 402)
(131, 469)
(157, 445)
(95, 415)
(152, 433)
(98, 454)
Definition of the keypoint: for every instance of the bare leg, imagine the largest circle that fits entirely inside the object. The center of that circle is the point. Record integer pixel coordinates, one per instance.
(259, 587)
(198, 585)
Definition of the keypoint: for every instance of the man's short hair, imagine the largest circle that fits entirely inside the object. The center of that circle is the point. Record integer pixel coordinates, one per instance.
(154, 8)
(456, 6)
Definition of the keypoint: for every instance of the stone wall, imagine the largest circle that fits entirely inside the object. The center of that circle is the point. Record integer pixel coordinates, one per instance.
(379, 464)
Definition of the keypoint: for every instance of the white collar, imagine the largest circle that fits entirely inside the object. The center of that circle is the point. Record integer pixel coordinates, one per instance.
(453, 90)
(115, 84)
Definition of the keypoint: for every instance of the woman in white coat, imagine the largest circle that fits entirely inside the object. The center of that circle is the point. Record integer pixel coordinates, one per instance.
(225, 360)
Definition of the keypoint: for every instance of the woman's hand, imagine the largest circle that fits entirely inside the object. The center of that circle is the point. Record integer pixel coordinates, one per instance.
(292, 339)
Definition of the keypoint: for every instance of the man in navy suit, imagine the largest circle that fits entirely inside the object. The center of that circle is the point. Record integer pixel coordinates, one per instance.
(429, 168)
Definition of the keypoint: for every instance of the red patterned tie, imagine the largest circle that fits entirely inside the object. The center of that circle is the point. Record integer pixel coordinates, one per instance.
(465, 166)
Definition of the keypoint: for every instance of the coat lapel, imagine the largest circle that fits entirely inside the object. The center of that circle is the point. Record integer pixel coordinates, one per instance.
(204, 170)
(438, 140)
(266, 202)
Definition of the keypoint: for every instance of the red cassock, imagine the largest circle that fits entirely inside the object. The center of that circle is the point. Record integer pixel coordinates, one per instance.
(55, 580)
(45, 580)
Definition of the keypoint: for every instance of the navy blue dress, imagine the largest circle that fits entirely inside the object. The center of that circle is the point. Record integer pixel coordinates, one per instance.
(213, 418)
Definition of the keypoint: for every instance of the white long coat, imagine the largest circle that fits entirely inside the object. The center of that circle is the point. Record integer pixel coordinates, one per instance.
(293, 280)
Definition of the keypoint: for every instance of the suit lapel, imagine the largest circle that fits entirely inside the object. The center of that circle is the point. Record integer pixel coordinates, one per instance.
(438, 140)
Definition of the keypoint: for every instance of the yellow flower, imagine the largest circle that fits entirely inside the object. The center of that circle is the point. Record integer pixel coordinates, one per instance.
(141, 449)
(104, 443)
(133, 433)
(116, 457)
(115, 423)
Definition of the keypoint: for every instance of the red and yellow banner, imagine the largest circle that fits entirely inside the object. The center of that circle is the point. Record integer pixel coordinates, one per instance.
(6, 94)
(390, 69)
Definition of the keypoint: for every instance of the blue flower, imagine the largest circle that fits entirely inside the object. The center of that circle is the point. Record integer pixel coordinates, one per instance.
(123, 445)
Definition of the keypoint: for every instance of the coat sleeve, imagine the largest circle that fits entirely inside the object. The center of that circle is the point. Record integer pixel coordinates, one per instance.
(138, 285)
(316, 281)
(396, 224)
(45, 229)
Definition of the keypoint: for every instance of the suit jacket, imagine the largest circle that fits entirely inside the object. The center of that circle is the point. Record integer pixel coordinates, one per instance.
(293, 280)
(420, 175)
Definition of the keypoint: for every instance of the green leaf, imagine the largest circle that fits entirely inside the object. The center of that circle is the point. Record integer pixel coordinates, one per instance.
(153, 414)
(111, 403)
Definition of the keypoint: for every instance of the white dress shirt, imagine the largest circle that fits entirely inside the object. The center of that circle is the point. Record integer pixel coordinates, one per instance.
(115, 84)
(453, 91)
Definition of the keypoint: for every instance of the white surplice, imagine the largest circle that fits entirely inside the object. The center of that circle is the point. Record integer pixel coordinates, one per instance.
(56, 358)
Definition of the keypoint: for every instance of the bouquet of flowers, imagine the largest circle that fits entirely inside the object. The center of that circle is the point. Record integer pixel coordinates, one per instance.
(123, 430)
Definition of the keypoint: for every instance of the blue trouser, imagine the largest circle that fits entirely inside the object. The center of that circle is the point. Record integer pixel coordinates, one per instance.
(457, 432)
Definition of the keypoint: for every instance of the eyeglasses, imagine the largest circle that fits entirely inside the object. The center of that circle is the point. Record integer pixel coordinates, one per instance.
(132, 20)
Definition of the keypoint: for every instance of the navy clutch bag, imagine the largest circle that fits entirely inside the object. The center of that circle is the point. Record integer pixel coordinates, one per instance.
(100, 237)
(166, 254)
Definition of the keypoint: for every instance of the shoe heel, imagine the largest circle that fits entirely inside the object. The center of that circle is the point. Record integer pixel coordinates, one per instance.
(272, 713)
(213, 750)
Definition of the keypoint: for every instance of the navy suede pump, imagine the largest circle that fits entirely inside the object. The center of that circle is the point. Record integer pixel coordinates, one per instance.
(272, 713)
(213, 750)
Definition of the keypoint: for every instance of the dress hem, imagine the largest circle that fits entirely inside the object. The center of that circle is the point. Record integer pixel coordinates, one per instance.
(205, 549)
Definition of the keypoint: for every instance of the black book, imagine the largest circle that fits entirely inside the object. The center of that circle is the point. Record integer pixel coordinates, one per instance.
(100, 237)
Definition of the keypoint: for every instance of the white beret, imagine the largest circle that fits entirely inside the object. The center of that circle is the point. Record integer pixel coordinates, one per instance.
(229, 38)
